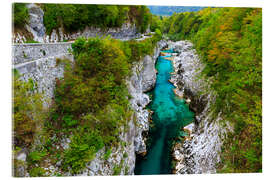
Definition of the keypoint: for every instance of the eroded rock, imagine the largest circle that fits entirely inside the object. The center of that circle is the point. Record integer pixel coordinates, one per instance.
(201, 149)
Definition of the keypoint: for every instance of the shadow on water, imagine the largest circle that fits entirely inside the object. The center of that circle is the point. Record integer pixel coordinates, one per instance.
(170, 115)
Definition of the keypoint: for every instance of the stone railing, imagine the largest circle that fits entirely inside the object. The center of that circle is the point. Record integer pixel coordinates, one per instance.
(38, 61)
(22, 53)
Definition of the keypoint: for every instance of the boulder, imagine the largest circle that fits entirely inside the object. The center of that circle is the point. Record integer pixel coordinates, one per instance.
(148, 74)
(35, 24)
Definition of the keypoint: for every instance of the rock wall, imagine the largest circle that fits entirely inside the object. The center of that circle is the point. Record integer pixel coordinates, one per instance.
(143, 79)
(35, 24)
(36, 27)
(126, 32)
(200, 152)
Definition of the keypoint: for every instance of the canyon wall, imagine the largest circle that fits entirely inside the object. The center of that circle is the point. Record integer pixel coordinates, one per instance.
(200, 151)
(143, 79)
(40, 62)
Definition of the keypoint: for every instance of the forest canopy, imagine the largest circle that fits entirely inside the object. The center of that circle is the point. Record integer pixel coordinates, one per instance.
(229, 42)
(76, 16)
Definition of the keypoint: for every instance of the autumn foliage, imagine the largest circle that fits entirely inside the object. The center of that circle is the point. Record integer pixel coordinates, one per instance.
(229, 41)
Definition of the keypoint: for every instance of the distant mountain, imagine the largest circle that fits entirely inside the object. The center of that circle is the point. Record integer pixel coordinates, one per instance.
(169, 10)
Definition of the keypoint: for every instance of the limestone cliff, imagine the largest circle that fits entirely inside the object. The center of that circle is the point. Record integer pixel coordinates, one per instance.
(143, 79)
(39, 62)
(200, 152)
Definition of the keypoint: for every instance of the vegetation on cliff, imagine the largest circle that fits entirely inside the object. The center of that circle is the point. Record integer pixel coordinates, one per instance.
(75, 17)
(20, 15)
(90, 105)
(27, 111)
(229, 41)
(91, 101)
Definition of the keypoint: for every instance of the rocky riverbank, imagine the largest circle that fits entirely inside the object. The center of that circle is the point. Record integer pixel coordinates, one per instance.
(200, 151)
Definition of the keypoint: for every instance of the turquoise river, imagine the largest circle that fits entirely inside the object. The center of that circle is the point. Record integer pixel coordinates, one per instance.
(170, 115)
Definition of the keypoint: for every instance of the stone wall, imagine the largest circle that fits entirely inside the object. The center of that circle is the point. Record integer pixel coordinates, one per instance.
(39, 62)
(22, 53)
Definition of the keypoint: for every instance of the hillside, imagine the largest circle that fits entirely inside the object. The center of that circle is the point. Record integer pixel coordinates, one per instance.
(229, 42)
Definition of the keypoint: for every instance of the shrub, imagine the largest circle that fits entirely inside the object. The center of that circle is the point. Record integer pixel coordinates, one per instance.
(91, 100)
(82, 149)
(37, 172)
(107, 154)
(27, 111)
(20, 14)
(36, 156)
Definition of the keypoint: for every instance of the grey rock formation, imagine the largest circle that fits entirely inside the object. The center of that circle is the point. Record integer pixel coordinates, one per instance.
(148, 74)
(35, 24)
(21, 169)
(126, 32)
(143, 78)
(201, 150)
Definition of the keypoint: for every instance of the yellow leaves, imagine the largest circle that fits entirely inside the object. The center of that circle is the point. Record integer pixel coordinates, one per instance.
(219, 34)
(213, 54)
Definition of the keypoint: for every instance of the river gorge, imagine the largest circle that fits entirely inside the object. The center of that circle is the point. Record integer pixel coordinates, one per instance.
(170, 115)
(140, 97)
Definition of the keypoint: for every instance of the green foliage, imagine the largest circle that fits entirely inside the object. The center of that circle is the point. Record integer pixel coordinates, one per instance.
(107, 154)
(139, 49)
(20, 14)
(69, 121)
(97, 79)
(90, 105)
(36, 156)
(117, 168)
(76, 17)
(91, 100)
(143, 19)
(229, 41)
(82, 149)
(31, 41)
(37, 172)
(158, 34)
(156, 23)
(27, 111)
(125, 155)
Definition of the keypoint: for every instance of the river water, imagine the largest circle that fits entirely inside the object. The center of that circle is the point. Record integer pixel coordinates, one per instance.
(170, 115)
